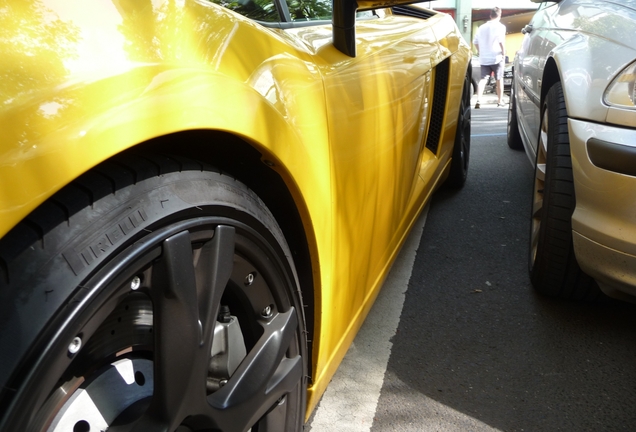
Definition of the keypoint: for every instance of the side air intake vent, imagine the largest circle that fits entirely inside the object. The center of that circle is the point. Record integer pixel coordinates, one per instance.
(412, 12)
(438, 108)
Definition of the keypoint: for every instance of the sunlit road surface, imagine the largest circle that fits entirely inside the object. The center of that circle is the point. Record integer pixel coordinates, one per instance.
(350, 402)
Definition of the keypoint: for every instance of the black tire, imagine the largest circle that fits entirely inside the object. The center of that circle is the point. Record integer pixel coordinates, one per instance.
(136, 266)
(553, 267)
(514, 137)
(461, 148)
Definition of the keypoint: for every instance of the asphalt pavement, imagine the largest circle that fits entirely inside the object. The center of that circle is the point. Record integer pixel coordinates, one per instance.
(475, 348)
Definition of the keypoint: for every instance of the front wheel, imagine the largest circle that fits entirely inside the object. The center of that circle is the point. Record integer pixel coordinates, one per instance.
(554, 270)
(162, 299)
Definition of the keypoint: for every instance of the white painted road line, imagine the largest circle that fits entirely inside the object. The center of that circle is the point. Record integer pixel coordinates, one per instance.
(350, 402)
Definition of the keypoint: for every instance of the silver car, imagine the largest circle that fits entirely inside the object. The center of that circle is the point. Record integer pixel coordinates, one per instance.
(573, 110)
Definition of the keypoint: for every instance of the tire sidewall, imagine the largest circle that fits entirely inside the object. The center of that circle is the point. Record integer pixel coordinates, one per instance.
(461, 147)
(539, 264)
(513, 135)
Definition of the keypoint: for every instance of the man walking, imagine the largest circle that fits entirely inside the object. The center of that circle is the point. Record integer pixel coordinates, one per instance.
(490, 41)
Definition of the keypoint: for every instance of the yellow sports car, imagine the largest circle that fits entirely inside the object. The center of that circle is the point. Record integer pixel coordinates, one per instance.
(199, 200)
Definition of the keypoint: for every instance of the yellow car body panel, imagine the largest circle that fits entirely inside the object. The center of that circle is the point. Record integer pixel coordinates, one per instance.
(392, 147)
(347, 135)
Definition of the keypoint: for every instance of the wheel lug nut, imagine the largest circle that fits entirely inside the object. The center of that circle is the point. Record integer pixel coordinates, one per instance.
(135, 283)
(75, 345)
(249, 279)
(267, 312)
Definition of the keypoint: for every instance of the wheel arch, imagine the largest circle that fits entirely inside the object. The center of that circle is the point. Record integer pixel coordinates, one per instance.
(551, 75)
(234, 156)
(263, 153)
(581, 64)
(277, 151)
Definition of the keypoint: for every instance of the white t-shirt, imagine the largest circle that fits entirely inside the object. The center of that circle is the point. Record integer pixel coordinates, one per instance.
(488, 37)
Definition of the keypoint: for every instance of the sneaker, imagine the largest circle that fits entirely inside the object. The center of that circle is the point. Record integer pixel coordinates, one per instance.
(477, 106)
(499, 105)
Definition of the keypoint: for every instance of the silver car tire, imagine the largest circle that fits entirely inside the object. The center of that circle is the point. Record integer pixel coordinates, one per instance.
(554, 270)
(514, 137)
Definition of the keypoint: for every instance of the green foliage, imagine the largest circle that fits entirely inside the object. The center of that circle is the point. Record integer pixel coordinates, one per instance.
(259, 10)
(265, 10)
(309, 9)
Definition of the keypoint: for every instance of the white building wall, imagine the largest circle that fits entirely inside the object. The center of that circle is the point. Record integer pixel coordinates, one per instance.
(483, 4)
(440, 4)
(504, 4)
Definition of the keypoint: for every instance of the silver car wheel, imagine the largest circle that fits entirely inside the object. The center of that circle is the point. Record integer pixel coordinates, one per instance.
(539, 187)
(553, 267)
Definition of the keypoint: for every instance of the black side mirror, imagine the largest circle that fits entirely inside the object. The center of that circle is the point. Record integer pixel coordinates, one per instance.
(343, 20)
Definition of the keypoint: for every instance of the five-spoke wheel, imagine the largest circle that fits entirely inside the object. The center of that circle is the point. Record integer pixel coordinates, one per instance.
(180, 311)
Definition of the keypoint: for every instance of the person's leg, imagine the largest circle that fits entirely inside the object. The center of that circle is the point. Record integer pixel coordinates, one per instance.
(481, 85)
(499, 92)
(499, 70)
